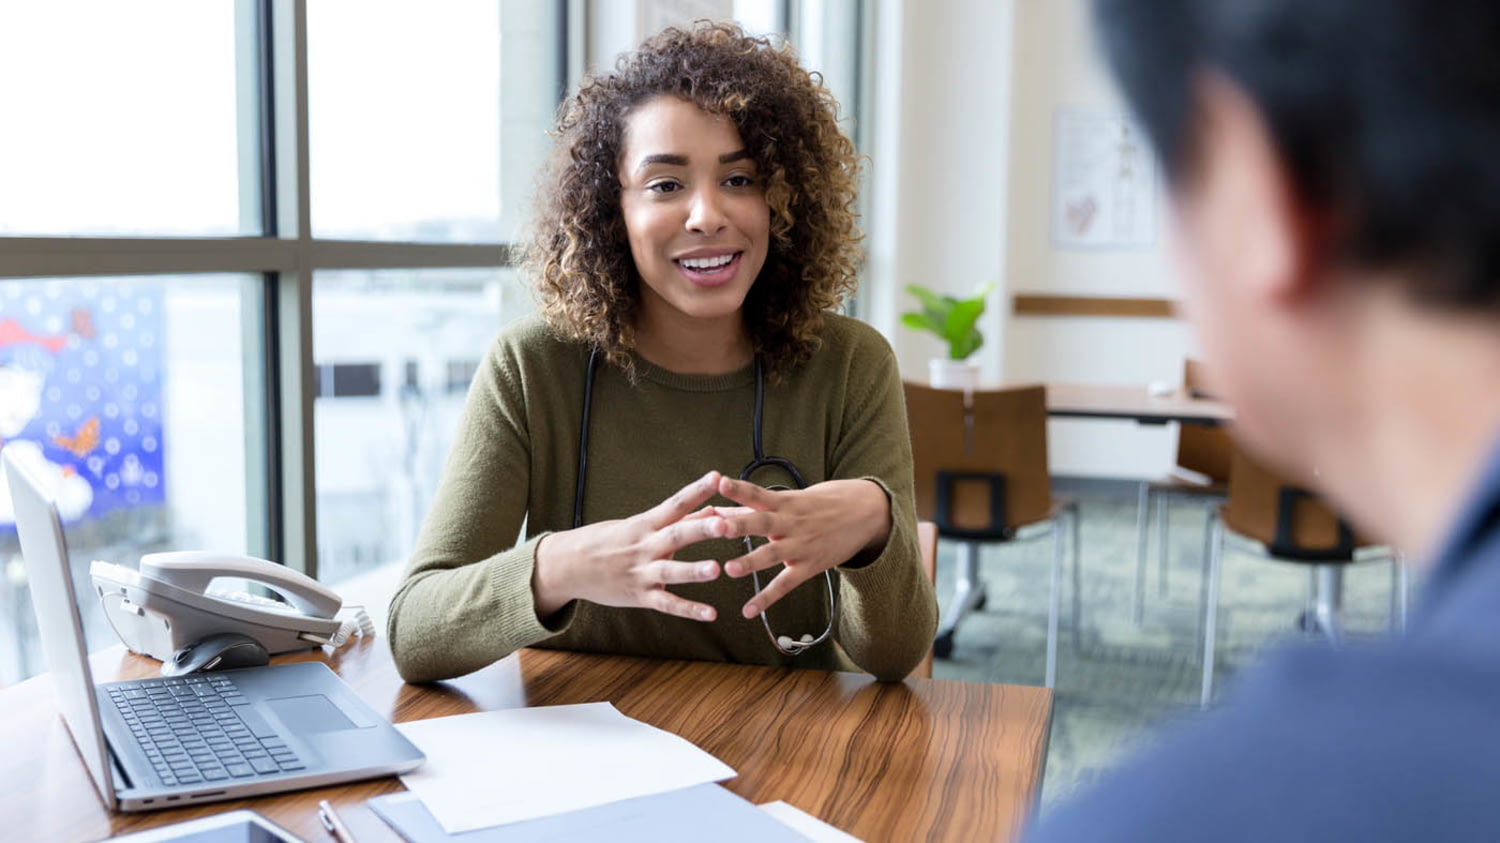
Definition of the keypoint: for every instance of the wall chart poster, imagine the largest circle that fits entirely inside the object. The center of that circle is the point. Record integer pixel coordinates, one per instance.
(81, 386)
(1105, 187)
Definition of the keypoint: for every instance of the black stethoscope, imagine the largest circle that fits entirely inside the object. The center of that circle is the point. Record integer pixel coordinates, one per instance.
(785, 643)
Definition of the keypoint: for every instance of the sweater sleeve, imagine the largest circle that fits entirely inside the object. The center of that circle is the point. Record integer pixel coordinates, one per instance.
(888, 613)
(466, 599)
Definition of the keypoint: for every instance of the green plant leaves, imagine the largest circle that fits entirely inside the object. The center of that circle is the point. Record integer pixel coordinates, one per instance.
(953, 320)
(922, 322)
(932, 302)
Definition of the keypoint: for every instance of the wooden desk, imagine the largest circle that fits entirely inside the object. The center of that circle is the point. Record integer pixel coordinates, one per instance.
(1071, 400)
(924, 759)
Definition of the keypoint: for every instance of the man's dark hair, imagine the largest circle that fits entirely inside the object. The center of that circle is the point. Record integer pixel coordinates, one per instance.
(1386, 113)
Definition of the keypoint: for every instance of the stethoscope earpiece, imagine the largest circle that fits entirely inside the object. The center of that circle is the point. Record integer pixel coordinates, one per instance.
(786, 644)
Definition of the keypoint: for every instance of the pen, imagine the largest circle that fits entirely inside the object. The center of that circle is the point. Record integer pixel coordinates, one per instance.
(331, 821)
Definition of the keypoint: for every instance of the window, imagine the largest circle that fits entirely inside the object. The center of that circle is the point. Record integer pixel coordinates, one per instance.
(378, 462)
(127, 119)
(134, 393)
(170, 263)
(460, 374)
(349, 380)
(405, 114)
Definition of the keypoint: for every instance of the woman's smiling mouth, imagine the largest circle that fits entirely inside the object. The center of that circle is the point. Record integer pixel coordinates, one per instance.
(710, 270)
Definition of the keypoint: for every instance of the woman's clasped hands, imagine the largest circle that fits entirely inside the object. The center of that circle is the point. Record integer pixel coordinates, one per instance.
(629, 562)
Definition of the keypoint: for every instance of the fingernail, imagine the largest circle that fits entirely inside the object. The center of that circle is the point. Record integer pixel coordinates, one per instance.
(733, 570)
(751, 610)
(707, 571)
(705, 614)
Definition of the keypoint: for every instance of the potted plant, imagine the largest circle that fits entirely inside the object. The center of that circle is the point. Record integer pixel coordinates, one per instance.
(953, 321)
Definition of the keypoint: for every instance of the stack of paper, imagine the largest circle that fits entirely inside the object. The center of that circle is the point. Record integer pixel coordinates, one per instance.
(574, 772)
(705, 812)
(498, 767)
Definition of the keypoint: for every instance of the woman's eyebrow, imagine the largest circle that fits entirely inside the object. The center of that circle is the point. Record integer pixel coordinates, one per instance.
(675, 160)
(663, 158)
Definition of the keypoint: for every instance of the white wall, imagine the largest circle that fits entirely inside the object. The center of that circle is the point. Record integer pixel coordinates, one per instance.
(938, 152)
(961, 181)
(1057, 66)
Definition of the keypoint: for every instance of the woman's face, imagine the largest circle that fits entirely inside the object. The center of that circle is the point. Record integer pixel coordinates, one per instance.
(695, 212)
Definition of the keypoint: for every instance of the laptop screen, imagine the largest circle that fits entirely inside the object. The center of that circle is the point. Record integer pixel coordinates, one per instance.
(58, 620)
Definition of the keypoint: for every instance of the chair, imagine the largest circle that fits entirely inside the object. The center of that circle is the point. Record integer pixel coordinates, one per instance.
(927, 538)
(982, 476)
(1290, 524)
(1202, 471)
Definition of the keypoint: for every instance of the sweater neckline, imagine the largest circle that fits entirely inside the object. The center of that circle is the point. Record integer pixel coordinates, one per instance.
(647, 370)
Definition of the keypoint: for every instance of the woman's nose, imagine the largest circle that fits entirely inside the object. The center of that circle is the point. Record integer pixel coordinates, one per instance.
(705, 215)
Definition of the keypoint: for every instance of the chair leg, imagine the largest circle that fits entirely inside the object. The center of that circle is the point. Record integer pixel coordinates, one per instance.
(1310, 610)
(1211, 613)
(1163, 555)
(968, 593)
(1075, 517)
(1203, 577)
(1330, 599)
(1400, 594)
(1138, 595)
(1054, 604)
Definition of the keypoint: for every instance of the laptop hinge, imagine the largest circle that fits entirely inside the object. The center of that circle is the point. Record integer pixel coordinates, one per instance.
(122, 778)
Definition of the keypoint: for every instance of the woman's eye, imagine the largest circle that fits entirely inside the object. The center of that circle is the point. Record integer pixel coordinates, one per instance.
(740, 181)
(664, 187)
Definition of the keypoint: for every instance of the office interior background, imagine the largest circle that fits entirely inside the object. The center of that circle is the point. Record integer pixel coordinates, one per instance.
(252, 251)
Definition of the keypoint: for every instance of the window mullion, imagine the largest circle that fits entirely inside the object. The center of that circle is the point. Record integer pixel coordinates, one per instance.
(289, 313)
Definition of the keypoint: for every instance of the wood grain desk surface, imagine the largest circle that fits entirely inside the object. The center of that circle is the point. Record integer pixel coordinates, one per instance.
(923, 759)
(1133, 402)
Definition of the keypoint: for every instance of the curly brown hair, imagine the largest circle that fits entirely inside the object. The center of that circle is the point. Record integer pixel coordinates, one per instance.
(578, 254)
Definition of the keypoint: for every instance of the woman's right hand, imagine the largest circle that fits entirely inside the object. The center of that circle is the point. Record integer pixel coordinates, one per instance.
(628, 562)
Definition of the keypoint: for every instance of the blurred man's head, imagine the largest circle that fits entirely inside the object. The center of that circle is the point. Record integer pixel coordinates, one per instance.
(1335, 168)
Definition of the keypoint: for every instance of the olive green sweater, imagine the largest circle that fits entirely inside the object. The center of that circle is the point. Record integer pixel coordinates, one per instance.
(466, 600)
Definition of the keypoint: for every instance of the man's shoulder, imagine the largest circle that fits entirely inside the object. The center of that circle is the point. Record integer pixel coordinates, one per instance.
(1376, 744)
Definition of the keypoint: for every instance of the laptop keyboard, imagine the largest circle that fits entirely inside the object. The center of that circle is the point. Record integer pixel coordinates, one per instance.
(200, 728)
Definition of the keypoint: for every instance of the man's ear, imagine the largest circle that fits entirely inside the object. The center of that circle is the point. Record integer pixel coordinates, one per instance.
(1277, 242)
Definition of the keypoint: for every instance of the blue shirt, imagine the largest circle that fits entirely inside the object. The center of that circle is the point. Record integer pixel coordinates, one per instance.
(1393, 742)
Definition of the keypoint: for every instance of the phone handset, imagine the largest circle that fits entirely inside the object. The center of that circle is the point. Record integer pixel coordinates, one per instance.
(193, 570)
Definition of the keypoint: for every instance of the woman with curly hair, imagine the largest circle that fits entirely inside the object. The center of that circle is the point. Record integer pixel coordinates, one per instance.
(693, 232)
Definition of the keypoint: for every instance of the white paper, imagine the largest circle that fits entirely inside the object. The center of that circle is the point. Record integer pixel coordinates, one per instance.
(496, 767)
(1104, 193)
(692, 815)
(806, 824)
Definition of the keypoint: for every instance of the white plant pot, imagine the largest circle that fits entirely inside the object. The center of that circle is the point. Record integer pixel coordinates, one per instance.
(953, 374)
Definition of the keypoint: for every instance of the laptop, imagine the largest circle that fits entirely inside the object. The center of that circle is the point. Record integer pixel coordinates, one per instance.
(165, 742)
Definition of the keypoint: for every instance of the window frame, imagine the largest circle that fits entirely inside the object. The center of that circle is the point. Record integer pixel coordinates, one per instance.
(272, 95)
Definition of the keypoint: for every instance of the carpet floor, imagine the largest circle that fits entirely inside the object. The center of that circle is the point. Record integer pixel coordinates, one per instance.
(1124, 683)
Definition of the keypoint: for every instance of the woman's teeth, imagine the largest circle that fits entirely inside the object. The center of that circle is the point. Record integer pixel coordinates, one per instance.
(705, 264)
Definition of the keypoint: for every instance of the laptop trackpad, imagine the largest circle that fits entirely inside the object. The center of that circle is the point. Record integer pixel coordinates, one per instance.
(313, 713)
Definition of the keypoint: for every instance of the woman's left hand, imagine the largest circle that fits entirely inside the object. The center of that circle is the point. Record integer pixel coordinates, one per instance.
(809, 530)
